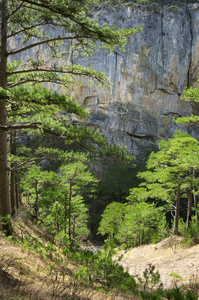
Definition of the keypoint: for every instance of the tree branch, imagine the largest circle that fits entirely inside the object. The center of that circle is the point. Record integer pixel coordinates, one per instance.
(33, 80)
(45, 42)
(44, 70)
(16, 10)
(51, 8)
(25, 29)
(69, 14)
(20, 126)
(16, 167)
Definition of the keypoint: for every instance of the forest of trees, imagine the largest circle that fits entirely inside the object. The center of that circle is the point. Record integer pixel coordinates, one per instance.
(44, 156)
(54, 178)
(26, 105)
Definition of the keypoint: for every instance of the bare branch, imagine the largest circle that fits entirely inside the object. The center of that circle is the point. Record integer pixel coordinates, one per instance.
(26, 29)
(16, 167)
(33, 80)
(44, 70)
(45, 42)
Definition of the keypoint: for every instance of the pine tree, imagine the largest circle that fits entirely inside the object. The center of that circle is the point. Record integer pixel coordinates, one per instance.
(112, 219)
(132, 223)
(191, 95)
(34, 181)
(29, 19)
(170, 174)
(74, 177)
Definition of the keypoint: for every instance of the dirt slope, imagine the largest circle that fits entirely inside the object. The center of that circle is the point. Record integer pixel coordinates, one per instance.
(169, 256)
(24, 273)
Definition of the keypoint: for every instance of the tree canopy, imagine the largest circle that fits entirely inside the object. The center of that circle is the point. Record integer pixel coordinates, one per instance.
(192, 95)
(46, 26)
(170, 175)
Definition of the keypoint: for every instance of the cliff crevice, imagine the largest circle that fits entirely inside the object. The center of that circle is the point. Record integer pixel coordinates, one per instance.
(148, 78)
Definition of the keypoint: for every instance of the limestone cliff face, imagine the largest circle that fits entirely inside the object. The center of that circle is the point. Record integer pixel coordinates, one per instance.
(148, 77)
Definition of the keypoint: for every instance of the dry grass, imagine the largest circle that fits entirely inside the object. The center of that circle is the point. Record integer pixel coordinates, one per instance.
(24, 273)
(169, 256)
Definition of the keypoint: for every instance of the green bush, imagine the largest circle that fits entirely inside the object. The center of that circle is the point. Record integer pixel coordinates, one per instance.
(191, 234)
(101, 268)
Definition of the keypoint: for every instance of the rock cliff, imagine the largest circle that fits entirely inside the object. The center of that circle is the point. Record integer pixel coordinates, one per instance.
(148, 78)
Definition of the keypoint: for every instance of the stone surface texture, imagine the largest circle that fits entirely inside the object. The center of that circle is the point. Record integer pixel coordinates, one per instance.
(148, 78)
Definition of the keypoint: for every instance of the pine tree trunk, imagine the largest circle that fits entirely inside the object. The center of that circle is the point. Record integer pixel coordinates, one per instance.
(177, 209)
(13, 193)
(17, 190)
(13, 175)
(36, 200)
(69, 213)
(74, 227)
(189, 207)
(195, 200)
(189, 201)
(5, 208)
(65, 216)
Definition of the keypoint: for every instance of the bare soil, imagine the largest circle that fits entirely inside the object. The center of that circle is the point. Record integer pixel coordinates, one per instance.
(170, 256)
(24, 274)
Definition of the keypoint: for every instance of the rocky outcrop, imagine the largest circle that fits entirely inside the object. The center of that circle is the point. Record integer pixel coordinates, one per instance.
(148, 78)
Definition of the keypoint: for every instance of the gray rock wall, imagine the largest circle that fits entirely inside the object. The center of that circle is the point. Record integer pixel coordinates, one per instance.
(149, 77)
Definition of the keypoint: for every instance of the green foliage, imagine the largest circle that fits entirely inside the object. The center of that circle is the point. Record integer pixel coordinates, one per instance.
(190, 295)
(152, 288)
(57, 198)
(175, 294)
(189, 94)
(191, 234)
(30, 243)
(30, 99)
(190, 120)
(4, 221)
(175, 276)
(61, 29)
(173, 6)
(112, 219)
(170, 172)
(101, 269)
(150, 278)
(83, 275)
(39, 109)
(133, 224)
(118, 154)
(148, 295)
(142, 224)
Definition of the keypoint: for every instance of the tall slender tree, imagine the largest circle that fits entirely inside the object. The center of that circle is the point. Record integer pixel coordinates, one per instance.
(74, 175)
(29, 20)
(170, 174)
